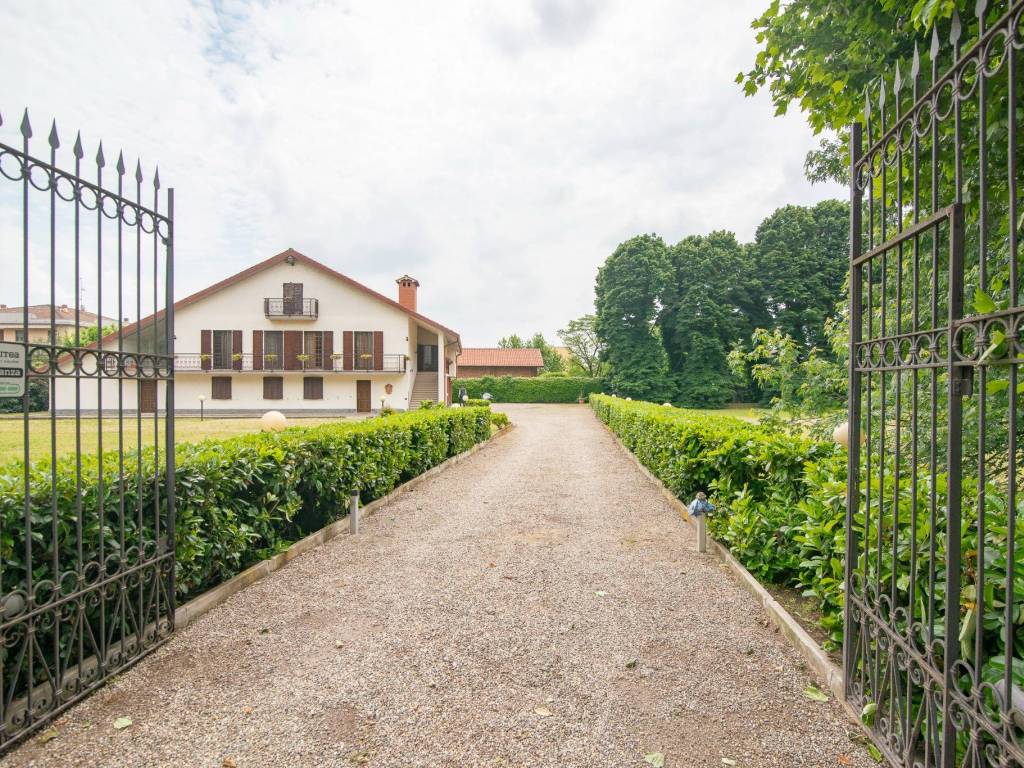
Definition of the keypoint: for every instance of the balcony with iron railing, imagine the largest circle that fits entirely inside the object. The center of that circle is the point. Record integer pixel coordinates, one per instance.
(292, 309)
(194, 361)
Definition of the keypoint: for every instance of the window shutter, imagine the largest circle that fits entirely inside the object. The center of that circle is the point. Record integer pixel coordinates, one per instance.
(257, 350)
(236, 349)
(346, 337)
(378, 350)
(328, 350)
(313, 388)
(292, 348)
(206, 348)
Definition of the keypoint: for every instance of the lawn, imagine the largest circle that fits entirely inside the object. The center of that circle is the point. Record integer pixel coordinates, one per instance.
(187, 430)
(743, 411)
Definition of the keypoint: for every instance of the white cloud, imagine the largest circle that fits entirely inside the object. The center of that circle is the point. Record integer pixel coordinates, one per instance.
(496, 151)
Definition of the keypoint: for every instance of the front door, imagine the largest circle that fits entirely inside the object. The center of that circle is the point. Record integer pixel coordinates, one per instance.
(363, 396)
(426, 358)
(147, 396)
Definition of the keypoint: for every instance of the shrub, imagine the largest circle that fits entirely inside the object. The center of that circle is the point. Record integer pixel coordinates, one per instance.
(538, 389)
(780, 499)
(477, 402)
(499, 419)
(38, 393)
(426, 405)
(238, 500)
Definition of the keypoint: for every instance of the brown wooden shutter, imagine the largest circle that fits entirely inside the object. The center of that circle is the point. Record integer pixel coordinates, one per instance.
(378, 350)
(328, 350)
(313, 388)
(257, 350)
(292, 348)
(206, 348)
(221, 387)
(347, 352)
(273, 387)
(236, 349)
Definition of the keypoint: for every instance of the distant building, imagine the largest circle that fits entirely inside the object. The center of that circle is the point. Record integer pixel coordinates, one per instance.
(475, 362)
(12, 322)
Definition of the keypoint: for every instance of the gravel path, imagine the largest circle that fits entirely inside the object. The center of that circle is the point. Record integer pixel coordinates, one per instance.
(539, 604)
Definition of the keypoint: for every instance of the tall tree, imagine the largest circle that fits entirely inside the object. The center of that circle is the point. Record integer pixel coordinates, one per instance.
(801, 256)
(628, 286)
(511, 342)
(553, 362)
(708, 304)
(580, 337)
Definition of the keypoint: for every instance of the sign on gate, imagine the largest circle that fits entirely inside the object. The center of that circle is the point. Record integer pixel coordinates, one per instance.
(12, 370)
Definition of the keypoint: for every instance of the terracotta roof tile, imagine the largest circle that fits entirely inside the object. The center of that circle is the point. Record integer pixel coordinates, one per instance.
(499, 357)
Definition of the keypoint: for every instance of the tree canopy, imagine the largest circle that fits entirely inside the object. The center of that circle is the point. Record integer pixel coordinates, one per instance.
(580, 338)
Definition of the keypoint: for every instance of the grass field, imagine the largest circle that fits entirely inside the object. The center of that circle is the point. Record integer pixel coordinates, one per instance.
(186, 430)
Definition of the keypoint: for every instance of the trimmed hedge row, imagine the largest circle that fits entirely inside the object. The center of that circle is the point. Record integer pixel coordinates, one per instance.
(239, 500)
(780, 499)
(530, 389)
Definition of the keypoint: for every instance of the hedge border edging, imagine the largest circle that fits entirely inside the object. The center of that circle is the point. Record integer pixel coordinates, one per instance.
(204, 603)
(797, 636)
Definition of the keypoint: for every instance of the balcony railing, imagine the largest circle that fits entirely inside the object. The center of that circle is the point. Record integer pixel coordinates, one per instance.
(302, 308)
(193, 361)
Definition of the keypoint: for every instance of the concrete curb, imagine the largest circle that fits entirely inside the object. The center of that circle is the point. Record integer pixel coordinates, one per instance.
(816, 658)
(210, 599)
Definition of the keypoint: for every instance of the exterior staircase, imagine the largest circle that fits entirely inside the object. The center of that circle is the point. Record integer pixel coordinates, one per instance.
(424, 388)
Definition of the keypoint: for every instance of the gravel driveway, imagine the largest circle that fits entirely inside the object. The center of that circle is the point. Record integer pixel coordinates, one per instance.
(539, 604)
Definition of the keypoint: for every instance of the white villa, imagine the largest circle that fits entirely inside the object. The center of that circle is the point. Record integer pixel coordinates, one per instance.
(288, 334)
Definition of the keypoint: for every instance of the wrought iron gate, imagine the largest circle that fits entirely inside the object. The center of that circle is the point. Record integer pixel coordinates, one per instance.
(934, 635)
(87, 512)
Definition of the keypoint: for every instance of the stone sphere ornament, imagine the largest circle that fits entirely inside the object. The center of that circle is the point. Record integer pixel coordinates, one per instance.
(841, 434)
(273, 421)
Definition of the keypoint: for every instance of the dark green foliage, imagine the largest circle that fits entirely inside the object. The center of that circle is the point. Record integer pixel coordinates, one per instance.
(238, 500)
(477, 402)
(553, 361)
(708, 302)
(526, 389)
(801, 257)
(628, 286)
(38, 393)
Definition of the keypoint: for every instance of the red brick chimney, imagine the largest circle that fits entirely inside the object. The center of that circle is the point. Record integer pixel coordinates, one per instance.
(407, 291)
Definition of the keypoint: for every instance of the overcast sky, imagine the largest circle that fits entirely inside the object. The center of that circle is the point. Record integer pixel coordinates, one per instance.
(496, 151)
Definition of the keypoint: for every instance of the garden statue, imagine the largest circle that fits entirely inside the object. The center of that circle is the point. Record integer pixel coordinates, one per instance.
(463, 395)
(699, 509)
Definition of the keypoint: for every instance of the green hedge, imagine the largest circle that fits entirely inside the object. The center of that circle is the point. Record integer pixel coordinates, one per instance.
(239, 500)
(530, 389)
(780, 499)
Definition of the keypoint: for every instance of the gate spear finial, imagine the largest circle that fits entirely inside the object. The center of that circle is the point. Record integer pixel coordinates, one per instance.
(915, 65)
(101, 161)
(138, 170)
(77, 149)
(54, 139)
(26, 126)
(120, 163)
(955, 28)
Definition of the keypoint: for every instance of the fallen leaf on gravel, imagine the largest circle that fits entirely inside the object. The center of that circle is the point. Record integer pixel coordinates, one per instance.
(814, 694)
(49, 734)
(247, 710)
(228, 763)
(656, 759)
(338, 644)
(121, 723)
(728, 761)
(631, 664)
(845, 760)
(600, 593)
(490, 565)
(360, 758)
(875, 753)
(542, 711)
(264, 631)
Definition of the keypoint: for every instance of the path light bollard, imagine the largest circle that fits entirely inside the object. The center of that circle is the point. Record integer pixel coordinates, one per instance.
(353, 513)
(699, 509)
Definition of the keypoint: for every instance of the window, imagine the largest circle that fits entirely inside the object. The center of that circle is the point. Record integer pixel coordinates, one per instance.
(363, 341)
(221, 388)
(313, 388)
(273, 350)
(273, 388)
(19, 335)
(222, 350)
(313, 345)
